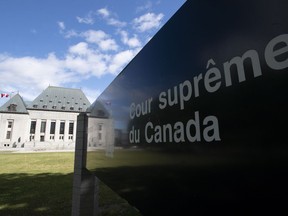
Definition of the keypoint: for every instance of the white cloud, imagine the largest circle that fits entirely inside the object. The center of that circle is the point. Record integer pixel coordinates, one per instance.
(86, 20)
(131, 42)
(120, 60)
(79, 49)
(80, 63)
(95, 54)
(104, 12)
(108, 44)
(33, 74)
(70, 33)
(62, 30)
(148, 5)
(106, 15)
(93, 36)
(115, 22)
(61, 25)
(148, 21)
(103, 40)
(86, 61)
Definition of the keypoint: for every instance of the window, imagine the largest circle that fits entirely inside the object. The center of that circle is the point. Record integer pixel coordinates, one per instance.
(12, 107)
(9, 129)
(54, 107)
(71, 127)
(71, 108)
(8, 135)
(10, 123)
(35, 106)
(32, 127)
(32, 137)
(100, 127)
(42, 138)
(62, 128)
(45, 106)
(100, 130)
(43, 127)
(100, 136)
(52, 127)
(32, 130)
(42, 130)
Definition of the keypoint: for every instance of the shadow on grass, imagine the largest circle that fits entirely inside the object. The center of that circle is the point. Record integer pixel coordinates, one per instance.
(182, 190)
(111, 204)
(35, 194)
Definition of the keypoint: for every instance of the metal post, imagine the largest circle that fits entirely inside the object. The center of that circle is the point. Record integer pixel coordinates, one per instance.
(83, 200)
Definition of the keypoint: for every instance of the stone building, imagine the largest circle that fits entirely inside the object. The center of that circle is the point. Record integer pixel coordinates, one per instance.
(48, 122)
(100, 129)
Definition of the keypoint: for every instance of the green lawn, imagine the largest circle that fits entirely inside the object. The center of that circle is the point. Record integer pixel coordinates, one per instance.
(41, 184)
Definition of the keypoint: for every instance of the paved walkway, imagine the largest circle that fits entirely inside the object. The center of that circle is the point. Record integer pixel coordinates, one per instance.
(18, 150)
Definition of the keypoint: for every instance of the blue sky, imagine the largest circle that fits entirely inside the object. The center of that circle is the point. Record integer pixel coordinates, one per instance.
(73, 43)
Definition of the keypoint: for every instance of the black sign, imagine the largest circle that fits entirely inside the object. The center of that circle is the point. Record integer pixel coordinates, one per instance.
(197, 121)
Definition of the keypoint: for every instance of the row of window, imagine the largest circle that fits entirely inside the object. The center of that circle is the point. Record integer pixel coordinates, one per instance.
(55, 107)
(59, 101)
(52, 137)
(43, 131)
(52, 127)
(52, 130)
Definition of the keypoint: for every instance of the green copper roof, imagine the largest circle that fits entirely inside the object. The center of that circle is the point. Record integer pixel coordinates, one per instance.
(60, 99)
(14, 105)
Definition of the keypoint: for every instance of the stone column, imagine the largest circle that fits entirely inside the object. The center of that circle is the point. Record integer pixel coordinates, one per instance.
(37, 130)
(57, 128)
(47, 132)
(66, 131)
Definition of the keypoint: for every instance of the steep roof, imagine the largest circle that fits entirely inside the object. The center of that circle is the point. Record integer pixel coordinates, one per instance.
(14, 105)
(60, 99)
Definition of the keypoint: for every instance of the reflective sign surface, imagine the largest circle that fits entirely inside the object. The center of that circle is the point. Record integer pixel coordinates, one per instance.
(197, 121)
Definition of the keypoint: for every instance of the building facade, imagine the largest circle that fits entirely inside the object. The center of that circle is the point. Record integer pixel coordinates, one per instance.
(48, 122)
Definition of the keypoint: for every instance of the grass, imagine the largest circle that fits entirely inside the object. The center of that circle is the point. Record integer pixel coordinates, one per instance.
(41, 184)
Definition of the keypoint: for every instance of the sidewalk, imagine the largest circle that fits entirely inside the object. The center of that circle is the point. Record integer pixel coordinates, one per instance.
(18, 150)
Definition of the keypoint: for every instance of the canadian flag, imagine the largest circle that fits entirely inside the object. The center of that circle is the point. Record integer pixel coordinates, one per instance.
(4, 95)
